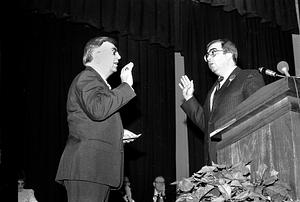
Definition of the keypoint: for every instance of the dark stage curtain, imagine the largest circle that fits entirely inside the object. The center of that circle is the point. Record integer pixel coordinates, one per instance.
(41, 57)
(152, 114)
(142, 19)
(275, 12)
(258, 45)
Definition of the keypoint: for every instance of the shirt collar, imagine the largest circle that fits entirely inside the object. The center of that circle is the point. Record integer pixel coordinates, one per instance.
(226, 76)
(105, 81)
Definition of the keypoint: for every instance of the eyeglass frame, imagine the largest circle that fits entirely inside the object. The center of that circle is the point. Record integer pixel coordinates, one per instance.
(211, 53)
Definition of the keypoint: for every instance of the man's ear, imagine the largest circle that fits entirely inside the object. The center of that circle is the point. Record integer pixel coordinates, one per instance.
(229, 55)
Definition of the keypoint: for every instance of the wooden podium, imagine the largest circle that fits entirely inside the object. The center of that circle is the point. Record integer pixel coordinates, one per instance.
(265, 128)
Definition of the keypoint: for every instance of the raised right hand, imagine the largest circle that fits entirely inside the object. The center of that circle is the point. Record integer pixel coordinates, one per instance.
(126, 74)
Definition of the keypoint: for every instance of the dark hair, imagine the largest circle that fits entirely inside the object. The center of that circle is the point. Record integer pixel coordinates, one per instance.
(92, 44)
(159, 176)
(228, 47)
(21, 175)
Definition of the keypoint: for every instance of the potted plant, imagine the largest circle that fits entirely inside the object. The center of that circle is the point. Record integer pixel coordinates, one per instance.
(218, 183)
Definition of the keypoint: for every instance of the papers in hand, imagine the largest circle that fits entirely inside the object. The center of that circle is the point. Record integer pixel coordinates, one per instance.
(128, 135)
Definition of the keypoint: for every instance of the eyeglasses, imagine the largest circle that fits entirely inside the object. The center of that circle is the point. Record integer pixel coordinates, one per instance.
(211, 53)
(21, 183)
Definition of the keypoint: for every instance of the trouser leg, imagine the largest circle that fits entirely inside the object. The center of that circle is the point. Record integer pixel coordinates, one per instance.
(83, 191)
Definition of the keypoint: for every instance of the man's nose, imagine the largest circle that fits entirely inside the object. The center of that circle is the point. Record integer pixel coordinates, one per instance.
(118, 56)
(209, 57)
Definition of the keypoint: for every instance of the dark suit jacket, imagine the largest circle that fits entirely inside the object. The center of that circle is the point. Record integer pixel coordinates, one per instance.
(94, 150)
(238, 87)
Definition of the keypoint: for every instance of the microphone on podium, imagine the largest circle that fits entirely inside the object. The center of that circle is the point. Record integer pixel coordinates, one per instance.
(283, 67)
(269, 72)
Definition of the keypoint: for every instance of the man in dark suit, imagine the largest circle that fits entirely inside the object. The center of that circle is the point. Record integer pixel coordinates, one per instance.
(159, 194)
(92, 161)
(163, 191)
(233, 86)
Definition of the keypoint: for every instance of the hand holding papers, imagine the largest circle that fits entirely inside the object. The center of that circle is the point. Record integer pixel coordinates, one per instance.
(129, 136)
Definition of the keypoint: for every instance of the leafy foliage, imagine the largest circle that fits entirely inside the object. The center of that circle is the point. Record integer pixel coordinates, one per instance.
(221, 183)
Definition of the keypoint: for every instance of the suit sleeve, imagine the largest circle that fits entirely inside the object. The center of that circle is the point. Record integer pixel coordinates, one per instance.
(253, 82)
(195, 112)
(98, 101)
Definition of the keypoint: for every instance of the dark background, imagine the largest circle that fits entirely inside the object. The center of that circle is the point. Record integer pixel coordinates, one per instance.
(41, 52)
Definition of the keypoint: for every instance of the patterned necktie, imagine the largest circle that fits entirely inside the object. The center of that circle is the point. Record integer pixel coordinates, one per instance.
(218, 86)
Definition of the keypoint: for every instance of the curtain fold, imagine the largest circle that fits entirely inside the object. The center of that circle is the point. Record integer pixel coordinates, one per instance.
(156, 20)
(276, 12)
(142, 19)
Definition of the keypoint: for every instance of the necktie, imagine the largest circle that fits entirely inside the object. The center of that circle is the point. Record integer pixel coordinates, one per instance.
(158, 198)
(218, 86)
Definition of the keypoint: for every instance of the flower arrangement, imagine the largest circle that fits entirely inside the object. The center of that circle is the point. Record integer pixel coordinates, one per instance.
(220, 183)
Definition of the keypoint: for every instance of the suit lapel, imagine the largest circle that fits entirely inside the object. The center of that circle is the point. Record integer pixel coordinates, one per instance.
(231, 77)
(218, 94)
(207, 101)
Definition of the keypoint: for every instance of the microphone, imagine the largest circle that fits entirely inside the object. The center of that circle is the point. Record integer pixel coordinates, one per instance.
(283, 67)
(268, 72)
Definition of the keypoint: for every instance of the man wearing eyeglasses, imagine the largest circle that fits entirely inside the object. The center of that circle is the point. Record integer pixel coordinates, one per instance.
(159, 189)
(92, 161)
(233, 86)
